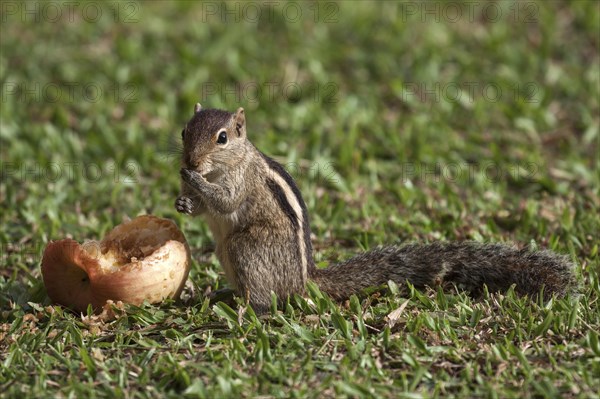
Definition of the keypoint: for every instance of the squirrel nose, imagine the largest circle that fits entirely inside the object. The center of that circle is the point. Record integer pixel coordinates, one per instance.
(190, 163)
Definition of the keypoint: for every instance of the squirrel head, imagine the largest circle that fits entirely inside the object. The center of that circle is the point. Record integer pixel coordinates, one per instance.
(214, 140)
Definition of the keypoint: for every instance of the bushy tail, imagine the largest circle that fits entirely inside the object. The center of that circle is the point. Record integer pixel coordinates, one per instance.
(469, 265)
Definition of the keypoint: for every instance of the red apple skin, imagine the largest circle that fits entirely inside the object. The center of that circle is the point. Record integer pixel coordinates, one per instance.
(64, 272)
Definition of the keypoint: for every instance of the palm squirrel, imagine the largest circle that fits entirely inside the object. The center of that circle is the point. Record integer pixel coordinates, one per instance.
(261, 227)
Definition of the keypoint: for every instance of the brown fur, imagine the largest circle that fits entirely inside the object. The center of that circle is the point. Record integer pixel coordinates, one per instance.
(260, 224)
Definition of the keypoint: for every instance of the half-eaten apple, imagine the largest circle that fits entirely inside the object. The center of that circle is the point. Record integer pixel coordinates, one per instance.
(144, 259)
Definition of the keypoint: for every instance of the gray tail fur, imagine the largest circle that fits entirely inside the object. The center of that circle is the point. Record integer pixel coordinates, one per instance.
(469, 265)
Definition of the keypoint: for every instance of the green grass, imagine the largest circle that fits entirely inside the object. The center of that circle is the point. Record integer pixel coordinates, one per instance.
(397, 127)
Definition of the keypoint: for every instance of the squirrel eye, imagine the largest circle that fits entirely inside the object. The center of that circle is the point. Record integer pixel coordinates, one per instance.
(182, 134)
(222, 139)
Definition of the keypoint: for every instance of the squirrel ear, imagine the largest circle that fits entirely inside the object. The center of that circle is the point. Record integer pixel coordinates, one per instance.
(240, 122)
(197, 108)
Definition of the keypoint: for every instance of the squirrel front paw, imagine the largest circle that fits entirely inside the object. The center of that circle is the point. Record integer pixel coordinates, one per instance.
(191, 177)
(184, 205)
(186, 174)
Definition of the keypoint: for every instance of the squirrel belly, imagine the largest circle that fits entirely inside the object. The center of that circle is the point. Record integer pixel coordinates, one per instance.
(469, 265)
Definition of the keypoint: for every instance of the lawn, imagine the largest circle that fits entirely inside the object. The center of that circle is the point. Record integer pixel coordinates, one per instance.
(401, 122)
